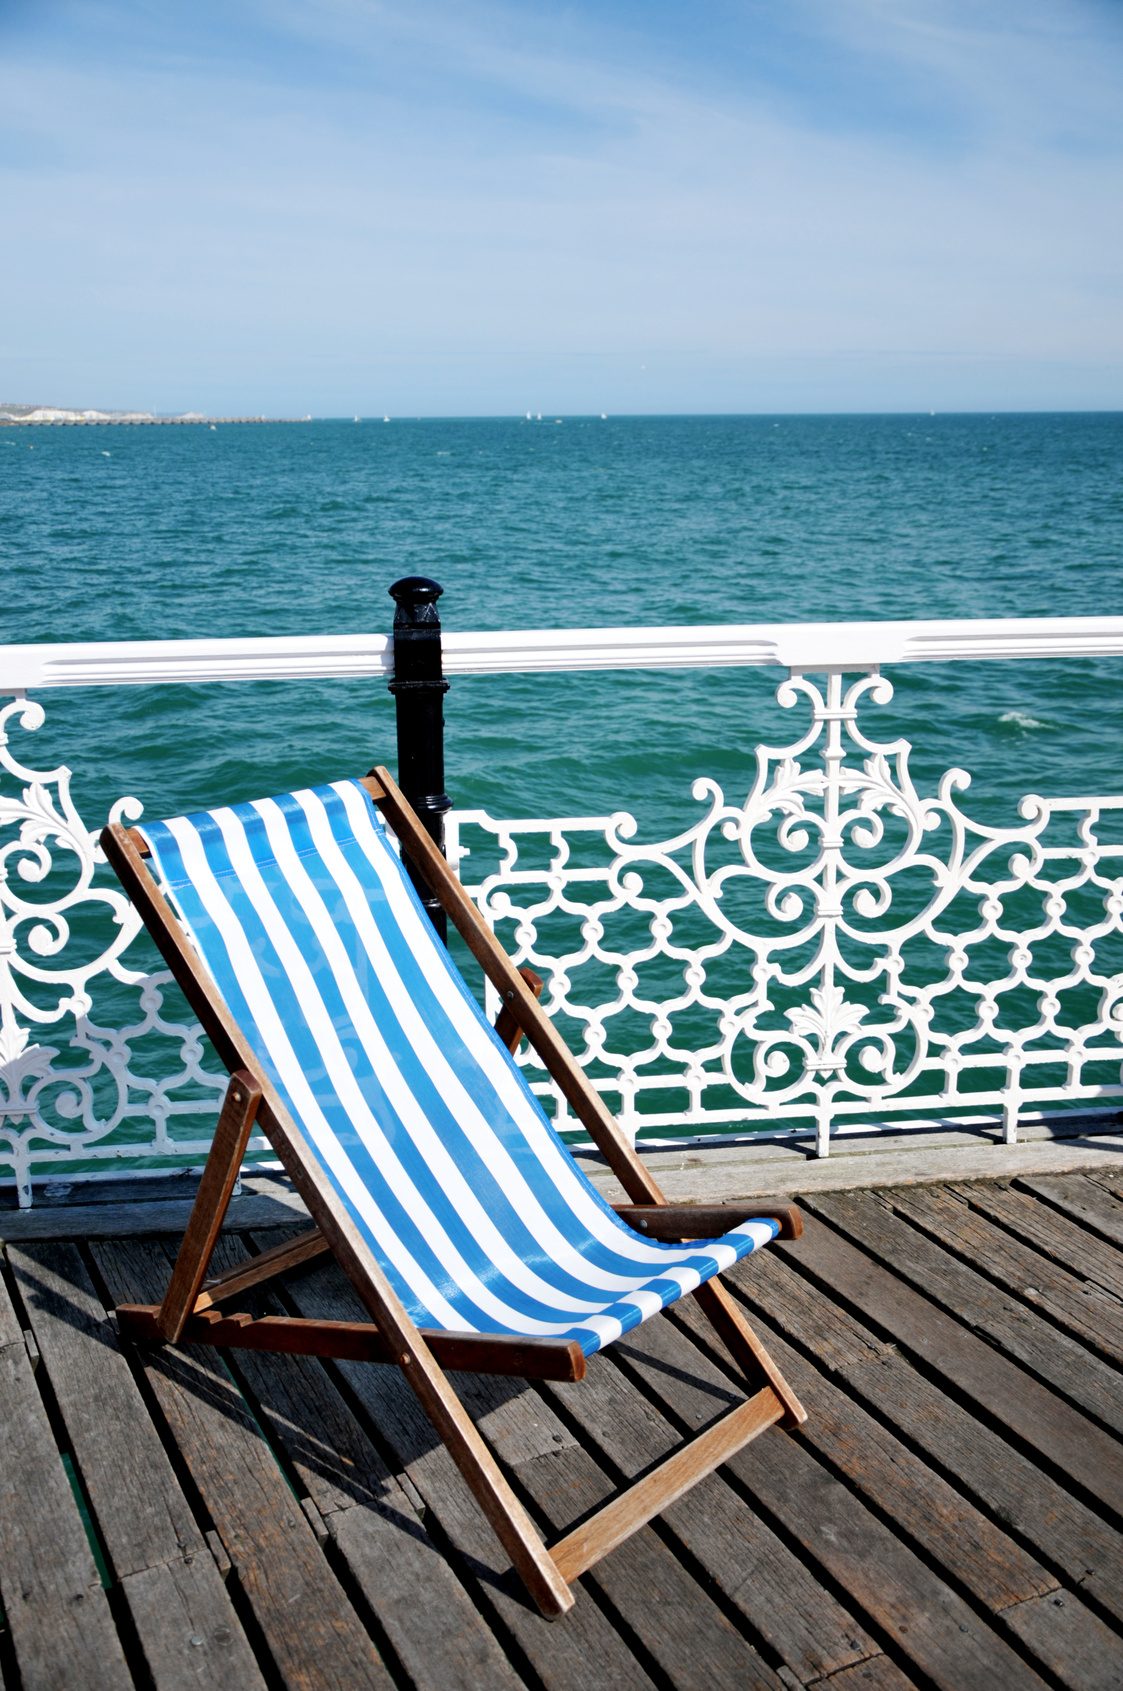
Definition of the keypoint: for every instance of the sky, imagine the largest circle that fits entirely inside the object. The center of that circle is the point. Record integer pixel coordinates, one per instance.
(474, 207)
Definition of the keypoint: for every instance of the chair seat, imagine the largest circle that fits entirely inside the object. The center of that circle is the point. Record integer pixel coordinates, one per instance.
(470, 1201)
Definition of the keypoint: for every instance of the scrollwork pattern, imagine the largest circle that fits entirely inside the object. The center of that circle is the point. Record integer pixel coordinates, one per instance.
(835, 952)
(807, 953)
(61, 941)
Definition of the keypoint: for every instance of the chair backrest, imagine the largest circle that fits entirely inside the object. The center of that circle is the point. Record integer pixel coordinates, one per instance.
(303, 914)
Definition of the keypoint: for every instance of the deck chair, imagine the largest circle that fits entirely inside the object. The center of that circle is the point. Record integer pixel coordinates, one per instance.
(427, 1165)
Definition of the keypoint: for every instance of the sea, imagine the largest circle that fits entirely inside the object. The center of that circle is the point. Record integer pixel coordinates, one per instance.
(141, 533)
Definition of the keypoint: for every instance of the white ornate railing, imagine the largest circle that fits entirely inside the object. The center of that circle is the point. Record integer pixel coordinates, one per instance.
(793, 645)
(837, 950)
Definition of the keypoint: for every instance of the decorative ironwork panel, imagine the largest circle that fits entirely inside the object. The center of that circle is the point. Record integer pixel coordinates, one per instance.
(836, 949)
(121, 1081)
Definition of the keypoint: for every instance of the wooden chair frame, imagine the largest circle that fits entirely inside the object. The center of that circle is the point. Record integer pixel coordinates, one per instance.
(189, 1312)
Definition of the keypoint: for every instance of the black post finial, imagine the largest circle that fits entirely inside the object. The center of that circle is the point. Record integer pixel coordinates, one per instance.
(418, 688)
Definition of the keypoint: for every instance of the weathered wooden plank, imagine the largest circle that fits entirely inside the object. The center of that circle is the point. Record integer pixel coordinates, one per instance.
(1060, 1433)
(190, 1635)
(312, 1632)
(141, 1221)
(677, 1621)
(970, 1550)
(1077, 1647)
(585, 1652)
(1055, 1357)
(1093, 1316)
(968, 1547)
(676, 1474)
(1070, 1538)
(188, 1642)
(811, 1632)
(596, 1536)
(1086, 1200)
(877, 1673)
(11, 1333)
(1054, 1236)
(1064, 1242)
(936, 1629)
(442, 1640)
(61, 1627)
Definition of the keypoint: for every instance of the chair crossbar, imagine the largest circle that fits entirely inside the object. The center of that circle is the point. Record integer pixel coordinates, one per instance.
(233, 1281)
(361, 1341)
(657, 1490)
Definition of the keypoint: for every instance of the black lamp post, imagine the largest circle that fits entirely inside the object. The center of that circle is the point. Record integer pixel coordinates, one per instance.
(419, 687)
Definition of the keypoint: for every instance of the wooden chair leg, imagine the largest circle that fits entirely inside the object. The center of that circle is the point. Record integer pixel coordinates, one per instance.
(746, 1349)
(509, 1520)
(235, 1124)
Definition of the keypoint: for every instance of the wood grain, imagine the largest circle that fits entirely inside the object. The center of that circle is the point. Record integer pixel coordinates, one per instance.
(1027, 1274)
(679, 1627)
(252, 1271)
(998, 1385)
(143, 1220)
(944, 1525)
(1065, 1242)
(312, 1632)
(144, 1519)
(1068, 1537)
(585, 1545)
(61, 1627)
(437, 1632)
(779, 1596)
(360, 1341)
(892, 1586)
(972, 1551)
(708, 1221)
(1085, 1200)
(224, 1162)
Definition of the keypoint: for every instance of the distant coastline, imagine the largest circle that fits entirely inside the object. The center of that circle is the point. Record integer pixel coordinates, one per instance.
(62, 416)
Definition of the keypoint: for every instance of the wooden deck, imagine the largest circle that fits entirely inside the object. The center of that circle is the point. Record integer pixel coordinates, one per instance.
(952, 1514)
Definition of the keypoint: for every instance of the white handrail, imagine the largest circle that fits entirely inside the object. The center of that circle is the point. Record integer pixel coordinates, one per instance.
(801, 646)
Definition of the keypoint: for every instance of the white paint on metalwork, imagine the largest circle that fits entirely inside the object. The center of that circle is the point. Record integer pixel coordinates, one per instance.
(843, 946)
(836, 951)
(804, 646)
(62, 942)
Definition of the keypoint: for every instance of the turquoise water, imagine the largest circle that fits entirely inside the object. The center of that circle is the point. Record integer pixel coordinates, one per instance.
(299, 528)
(255, 530)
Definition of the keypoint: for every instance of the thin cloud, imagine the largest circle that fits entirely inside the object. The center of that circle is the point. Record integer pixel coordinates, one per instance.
(349, 205)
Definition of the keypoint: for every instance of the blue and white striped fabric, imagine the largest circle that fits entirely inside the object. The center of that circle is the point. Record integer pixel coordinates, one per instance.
(448, 1166)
